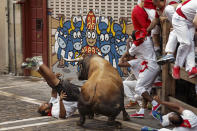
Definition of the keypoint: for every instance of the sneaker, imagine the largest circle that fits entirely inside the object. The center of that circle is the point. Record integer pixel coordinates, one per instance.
(145, 128)
(32, 63)
(176, 72)
(130, 104)
(158, 54)
(167, 58)
(136, 115)
(157, 116)
(193, 72)
(155, 108)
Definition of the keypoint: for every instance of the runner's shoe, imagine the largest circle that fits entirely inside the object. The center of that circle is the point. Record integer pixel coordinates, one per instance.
(176, 72)
(145, 128)
(155, 108)
(157, 116)
(32, 63)
(136, 115)
(165, 59)
(193, 72)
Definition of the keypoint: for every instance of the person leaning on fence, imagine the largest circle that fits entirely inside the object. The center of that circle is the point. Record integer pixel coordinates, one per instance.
(183, 22)
(64, 95)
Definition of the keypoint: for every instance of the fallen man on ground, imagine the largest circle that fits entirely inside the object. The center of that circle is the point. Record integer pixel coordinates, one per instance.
(64, 95)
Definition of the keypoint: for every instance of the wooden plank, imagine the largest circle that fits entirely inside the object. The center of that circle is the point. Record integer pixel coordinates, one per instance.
(184, 75)
(168, 83)
(184, 105)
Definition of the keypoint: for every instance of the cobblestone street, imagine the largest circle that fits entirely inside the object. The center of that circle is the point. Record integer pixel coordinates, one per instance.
(19, 100)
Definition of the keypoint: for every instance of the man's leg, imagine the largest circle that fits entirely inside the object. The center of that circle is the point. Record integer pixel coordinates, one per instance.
(190, 60)
(129, 87)
(170, 49)
(36, 63)
(48, 75)
(181, 29)
(145, 81)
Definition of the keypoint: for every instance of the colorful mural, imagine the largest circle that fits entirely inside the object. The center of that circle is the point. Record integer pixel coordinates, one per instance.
(90, 34)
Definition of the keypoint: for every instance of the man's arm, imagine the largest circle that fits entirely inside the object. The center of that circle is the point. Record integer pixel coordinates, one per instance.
(123, 64)
(54, 93)
(62, 113)
(171, 105)
(195, 21)
(153, 24)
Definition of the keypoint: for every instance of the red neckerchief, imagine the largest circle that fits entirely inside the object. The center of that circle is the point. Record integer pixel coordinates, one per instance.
(179, 11)
(49, 114)
(186, 124)
(145, 66)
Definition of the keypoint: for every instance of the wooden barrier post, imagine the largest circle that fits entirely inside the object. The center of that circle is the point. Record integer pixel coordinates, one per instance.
(168, 83)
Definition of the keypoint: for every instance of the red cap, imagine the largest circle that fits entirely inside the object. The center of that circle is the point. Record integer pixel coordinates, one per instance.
(140, 36)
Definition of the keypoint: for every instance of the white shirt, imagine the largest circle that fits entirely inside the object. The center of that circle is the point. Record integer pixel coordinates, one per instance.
(168, 1)
(70, 107)
(144, 51)
(190, 10)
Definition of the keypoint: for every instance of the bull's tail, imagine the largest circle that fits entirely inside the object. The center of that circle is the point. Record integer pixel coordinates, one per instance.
(90, 101)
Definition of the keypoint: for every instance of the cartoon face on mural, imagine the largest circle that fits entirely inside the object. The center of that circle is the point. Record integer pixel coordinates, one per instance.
(77, 33)
(92, 35)
(120, 37)
(63, 42)
(103, 30)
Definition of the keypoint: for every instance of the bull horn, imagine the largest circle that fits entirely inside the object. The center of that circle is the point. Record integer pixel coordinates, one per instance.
(61, 22)
(82, 24)
(97, 29)
(74, 60)
(112, 29)
(108, 29)
(72, 26)
(124, 27)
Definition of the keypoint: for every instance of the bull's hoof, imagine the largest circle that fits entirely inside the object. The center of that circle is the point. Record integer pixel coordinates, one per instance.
(117, 124)
(91, 116)
(126, 118)
(79, 123)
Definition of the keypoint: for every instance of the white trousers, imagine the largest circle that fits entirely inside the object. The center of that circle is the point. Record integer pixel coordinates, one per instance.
(147, 77)
(129, 90)
(184, 31)
(172, 42)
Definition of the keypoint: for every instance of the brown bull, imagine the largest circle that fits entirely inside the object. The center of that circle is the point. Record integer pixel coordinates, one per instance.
(103, 92)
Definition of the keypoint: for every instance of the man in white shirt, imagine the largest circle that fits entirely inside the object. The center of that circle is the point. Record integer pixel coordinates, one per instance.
(57, 107)
(142, 49)
(182, 119)
(62, 105)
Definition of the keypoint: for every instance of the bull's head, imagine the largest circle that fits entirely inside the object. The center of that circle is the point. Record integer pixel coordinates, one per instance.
(84, 64)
